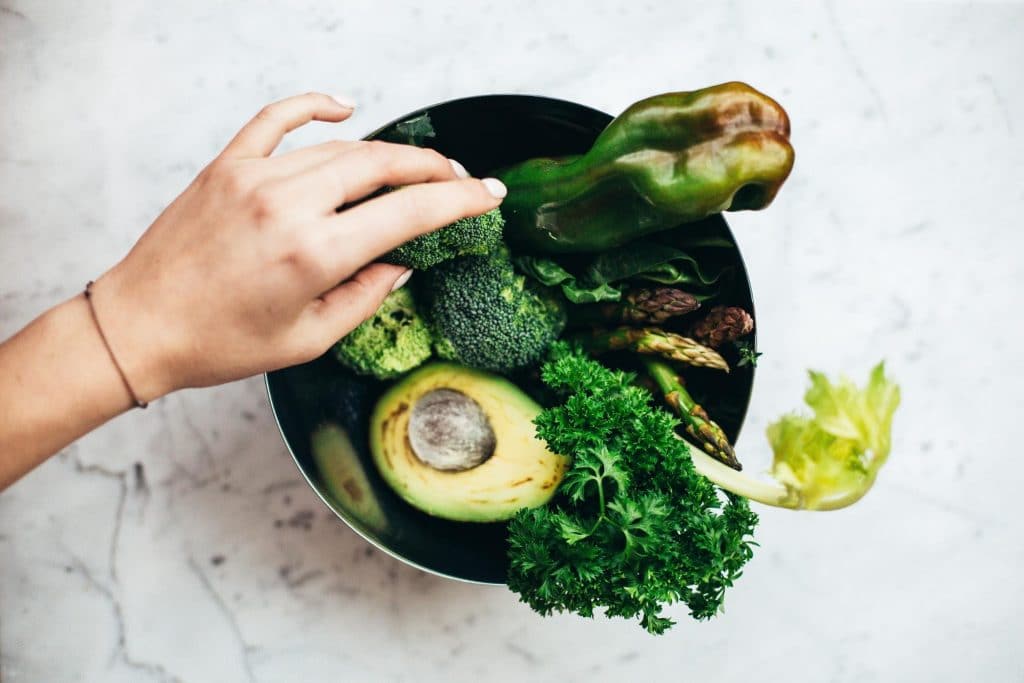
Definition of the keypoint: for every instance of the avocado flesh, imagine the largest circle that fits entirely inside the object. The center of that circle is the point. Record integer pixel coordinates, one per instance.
(344, 478)
(520, 473)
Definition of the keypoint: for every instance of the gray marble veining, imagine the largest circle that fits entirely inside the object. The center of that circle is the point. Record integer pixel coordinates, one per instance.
(180, 543)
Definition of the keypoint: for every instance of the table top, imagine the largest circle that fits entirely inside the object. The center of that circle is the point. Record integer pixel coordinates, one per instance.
(180, 543)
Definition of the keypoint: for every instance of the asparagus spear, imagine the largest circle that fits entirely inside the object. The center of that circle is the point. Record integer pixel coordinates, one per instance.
(695, 419)
(652, 340)
(722, 324)
(643, 306)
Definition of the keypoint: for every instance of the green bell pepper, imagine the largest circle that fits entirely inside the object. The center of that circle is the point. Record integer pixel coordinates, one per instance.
(666, 160)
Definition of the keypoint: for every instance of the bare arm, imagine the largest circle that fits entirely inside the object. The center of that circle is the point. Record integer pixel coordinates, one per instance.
(249, 269)
(57, 382)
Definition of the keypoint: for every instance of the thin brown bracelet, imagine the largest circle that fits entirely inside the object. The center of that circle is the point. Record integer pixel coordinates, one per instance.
(120, 370)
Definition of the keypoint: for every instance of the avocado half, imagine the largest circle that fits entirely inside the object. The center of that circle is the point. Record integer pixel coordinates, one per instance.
(344, 478)
(460, 443)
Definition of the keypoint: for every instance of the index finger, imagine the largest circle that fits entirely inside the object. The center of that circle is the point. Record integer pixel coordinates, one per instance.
(264, 132)
(366, 231)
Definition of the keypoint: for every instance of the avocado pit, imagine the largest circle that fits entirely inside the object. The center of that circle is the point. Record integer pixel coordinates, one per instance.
(449, 431)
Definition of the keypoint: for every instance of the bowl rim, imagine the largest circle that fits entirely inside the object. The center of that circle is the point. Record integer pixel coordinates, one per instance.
(354, 525)
(488, 96)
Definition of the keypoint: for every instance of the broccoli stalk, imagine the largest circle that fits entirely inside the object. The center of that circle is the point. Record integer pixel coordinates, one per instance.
(826, 461)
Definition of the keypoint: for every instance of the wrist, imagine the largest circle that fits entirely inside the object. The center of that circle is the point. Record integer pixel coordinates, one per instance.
(71, 330)
(126, 324)
(88, 295)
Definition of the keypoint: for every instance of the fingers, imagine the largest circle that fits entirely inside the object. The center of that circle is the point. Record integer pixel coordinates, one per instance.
(361, 169)
(306, 158)
(364, 232)
(264, 132)
(343, 308)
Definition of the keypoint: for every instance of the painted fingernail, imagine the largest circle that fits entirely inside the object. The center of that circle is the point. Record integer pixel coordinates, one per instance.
(402, 279)
(344, 101)
(460, 170)
(495, 187)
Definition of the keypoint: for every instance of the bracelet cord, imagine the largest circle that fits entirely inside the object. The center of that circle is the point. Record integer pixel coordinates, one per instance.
(110, 351)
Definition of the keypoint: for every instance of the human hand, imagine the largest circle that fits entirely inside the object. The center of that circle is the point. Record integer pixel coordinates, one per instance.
(241, 273)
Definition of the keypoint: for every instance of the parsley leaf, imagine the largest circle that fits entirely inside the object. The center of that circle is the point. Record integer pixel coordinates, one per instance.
(633, 527)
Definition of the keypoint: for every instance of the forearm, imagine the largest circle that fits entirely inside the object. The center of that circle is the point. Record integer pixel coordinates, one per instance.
(57, 382)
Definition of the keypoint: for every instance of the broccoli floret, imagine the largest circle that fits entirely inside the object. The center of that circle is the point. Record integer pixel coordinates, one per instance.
(485, 315)
(395, 340)
(464, 237)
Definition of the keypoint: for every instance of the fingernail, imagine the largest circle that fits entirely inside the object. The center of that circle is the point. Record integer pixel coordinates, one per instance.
(402, 279)
(460, 170)
(495, 187)
(346, 102)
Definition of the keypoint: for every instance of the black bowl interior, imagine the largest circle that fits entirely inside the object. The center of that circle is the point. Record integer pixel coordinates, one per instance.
(484, 133)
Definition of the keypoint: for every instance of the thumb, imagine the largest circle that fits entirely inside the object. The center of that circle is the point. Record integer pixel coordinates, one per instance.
(342, 309)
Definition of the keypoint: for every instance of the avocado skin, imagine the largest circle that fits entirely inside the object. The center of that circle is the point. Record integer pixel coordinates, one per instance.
(343, 476)
(522, 472)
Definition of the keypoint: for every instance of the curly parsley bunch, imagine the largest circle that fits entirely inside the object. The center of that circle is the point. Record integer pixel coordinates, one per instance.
(634, 527)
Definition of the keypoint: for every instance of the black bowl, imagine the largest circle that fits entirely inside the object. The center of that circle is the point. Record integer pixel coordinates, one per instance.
(484, 133)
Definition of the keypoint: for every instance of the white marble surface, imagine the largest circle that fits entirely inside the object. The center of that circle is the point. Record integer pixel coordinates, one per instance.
(180, 544)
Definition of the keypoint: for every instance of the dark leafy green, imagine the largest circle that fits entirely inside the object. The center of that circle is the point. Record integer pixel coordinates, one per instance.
(688, 257)
(548, 272)
(650, 260)
(633, 527)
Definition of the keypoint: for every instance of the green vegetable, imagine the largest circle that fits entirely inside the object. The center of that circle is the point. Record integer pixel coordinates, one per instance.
(829, 460)
(344, 476)
(637, 306)
(666, 160)
(832, 459)
(633, 526)
(695, 419)
(466, 236)
(722, 324)
(603, 277)
(484, 314)
(548, 272)
(655, 261)
(458, 443)
(393, 341)
(748, 356)
(654, 341)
